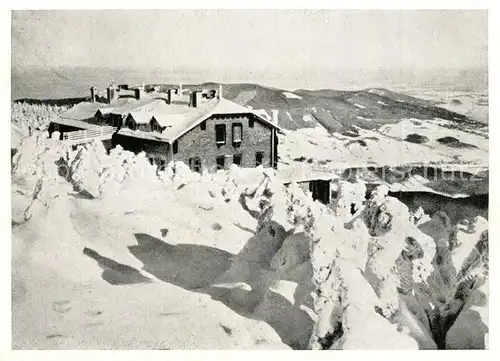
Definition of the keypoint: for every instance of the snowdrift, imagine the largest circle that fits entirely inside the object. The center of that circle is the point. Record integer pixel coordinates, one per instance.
(240, 255)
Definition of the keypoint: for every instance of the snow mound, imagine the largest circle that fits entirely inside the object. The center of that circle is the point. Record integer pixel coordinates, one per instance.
(38, 170)
(466, 237)
(350, 199)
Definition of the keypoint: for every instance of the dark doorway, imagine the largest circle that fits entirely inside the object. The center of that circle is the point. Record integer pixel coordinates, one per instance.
(320, 190)
(259, 156)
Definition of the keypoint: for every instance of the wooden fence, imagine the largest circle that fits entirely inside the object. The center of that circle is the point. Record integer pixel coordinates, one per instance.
(89, 134)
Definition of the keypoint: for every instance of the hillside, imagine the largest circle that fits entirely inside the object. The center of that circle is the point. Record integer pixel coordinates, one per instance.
(335, 110)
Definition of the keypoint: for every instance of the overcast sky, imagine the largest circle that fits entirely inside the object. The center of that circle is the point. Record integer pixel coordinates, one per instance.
(247, 40)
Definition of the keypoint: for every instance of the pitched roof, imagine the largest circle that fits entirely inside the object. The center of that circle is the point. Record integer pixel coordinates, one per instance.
(141, 117)
(105, 110)
(180, 124)
(177, 118)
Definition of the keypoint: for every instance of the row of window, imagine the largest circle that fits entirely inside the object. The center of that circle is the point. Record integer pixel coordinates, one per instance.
(251, 122)
(195, 162)
(220, 161)
(220, 136)
(154, 127)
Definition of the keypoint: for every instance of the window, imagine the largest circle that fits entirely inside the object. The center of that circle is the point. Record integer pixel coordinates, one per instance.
(203, 125)
(258, 158)
(237, 134)
(195, 164)
(237, 159)
(220, 134)
(175, 147)
(250, 122)
(220, 162)
(155, 127)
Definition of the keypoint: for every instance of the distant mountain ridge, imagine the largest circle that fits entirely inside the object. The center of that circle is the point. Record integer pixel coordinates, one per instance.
(333, 109)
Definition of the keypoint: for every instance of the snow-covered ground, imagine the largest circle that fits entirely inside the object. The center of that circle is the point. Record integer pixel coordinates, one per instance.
(110, 254)
(433, 131)
(474, 104)
(383, 147)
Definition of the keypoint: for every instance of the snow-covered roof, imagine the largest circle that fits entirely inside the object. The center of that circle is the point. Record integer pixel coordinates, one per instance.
(76, 123)
(123, 106)
(81, 111)
(141, 117)
(105, 110)
(179, 119)
(303, 173)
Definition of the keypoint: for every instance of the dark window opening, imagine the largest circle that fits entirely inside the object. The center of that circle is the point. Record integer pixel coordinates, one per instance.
(155, 128)
(220, 162)
(259, 156)
(195, 164)
(250, 122)
(175, 147)
(237, 134)
(220, 134)
(203, 125)
(151, 160)
(237, 159)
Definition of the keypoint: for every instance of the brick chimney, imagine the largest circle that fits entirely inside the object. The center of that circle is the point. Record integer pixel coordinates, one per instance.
(137, 93)
(194, 98)
(170, 95)
(93, 94)
(111, 94)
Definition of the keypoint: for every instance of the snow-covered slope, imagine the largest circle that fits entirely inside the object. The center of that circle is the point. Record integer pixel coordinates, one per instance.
(109, 253)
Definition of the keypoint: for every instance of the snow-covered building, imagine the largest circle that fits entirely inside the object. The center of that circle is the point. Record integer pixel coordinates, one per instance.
(203, 130)
(200, 128)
